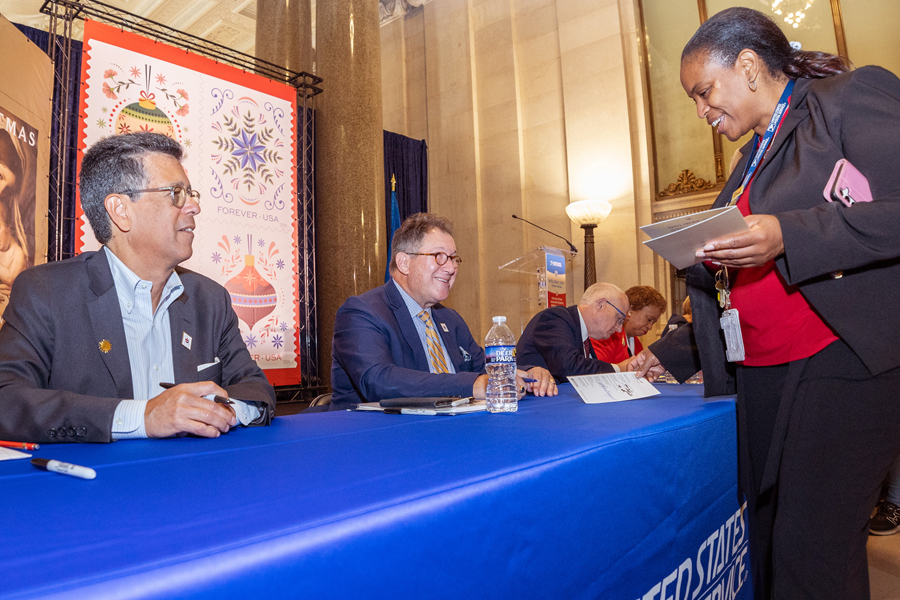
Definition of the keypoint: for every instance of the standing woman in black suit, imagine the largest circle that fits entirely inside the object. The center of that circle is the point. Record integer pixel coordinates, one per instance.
(817, 386)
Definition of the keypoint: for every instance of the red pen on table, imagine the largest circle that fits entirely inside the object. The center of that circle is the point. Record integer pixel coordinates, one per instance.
(19, 445)
(219, 399)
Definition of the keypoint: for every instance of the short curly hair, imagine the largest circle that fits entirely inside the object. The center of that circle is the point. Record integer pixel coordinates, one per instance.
(640, 296)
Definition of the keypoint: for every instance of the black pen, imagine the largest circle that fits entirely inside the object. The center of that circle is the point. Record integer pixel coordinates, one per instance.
(218, 399)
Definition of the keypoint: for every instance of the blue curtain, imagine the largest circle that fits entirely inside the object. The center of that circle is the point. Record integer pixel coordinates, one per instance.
(62, 108)
(407, 160)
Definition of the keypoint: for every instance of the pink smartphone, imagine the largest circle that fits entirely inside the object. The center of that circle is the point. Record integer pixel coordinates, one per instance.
(847, 185)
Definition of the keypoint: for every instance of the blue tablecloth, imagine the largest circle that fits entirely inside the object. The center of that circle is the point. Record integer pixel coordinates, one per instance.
(560, 500)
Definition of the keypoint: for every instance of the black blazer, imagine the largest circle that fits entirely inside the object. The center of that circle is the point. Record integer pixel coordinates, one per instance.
(552, 339)
(843, 259)
(57, 384)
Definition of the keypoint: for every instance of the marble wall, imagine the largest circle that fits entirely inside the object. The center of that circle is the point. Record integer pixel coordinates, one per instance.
(526, 105)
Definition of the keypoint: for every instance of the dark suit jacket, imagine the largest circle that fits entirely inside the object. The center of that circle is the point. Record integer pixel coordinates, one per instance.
(376, 352)
(57, 385)
(677, 321)
(552, 339)
(854, 116)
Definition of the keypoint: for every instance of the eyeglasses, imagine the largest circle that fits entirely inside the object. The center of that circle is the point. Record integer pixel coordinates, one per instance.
(179, 194)
(621, 319)
(440, 258)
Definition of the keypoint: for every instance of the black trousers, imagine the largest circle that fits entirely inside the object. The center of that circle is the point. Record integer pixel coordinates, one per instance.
(825, 431)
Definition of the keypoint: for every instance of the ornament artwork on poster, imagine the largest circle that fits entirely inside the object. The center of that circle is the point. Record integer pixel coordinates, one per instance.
(240, 156)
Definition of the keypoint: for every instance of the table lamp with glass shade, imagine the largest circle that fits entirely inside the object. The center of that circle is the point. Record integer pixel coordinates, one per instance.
(589, 214)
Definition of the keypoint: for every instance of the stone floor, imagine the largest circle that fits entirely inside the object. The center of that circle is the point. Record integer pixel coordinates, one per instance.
(884, 566)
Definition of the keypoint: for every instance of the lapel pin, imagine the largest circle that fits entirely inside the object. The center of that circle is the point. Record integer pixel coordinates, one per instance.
(105, 346)
(444, 327)
(186, 340)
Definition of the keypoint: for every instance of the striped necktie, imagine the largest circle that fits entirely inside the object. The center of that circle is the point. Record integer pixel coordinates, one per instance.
(435, 351)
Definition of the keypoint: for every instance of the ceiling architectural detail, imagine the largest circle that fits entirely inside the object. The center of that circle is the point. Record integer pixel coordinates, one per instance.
(231, 23)
(388, 10)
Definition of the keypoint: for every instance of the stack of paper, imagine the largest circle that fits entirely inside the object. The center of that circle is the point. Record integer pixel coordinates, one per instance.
(10, 454)
(677, 240)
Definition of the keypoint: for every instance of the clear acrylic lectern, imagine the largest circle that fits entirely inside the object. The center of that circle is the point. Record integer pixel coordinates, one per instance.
(544, 279)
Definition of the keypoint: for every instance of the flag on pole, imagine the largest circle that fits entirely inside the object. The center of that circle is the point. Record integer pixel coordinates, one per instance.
(395, 225)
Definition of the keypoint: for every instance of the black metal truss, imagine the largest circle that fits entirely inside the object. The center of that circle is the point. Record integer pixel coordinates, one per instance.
(111, 15)
(62, 180)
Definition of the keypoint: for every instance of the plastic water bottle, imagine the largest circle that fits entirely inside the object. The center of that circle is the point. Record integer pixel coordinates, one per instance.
(500, 353)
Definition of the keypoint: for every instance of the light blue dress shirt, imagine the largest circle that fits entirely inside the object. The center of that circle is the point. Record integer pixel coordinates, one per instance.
(148, 335)
(414, 310)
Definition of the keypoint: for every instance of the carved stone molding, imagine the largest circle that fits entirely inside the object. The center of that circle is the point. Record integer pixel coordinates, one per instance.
(687, 184)
(679, 206)
(388, 10)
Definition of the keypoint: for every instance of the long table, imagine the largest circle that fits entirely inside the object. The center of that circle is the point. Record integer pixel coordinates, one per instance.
(559, 500)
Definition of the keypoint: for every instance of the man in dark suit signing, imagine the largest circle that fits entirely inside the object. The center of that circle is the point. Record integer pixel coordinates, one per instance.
(398, 340)
(88, 341)
(558, 337)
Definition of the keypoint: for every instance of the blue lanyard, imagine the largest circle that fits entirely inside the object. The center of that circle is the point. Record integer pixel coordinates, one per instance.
(774, 123)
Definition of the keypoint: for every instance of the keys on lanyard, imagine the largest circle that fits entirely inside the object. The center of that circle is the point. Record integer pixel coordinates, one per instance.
(723, 287)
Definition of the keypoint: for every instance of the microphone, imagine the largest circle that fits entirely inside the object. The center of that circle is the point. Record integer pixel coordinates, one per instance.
(571, 246)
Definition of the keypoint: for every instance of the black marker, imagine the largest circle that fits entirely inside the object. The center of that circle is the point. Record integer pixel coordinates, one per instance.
(218, 399)
(56, 466)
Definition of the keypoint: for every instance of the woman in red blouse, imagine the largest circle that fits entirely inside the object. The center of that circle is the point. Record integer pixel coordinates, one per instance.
(817, 406)
(647, 305)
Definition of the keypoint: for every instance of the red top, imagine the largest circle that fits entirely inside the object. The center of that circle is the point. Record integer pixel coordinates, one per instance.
(777, 323)
(614, 349)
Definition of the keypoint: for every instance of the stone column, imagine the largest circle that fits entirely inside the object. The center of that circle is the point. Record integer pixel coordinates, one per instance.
(350, 218)
(284, 38)
(284, 33)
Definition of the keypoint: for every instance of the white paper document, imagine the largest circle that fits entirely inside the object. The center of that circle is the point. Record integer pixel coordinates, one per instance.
(10, 454)
(611, 387)
(677, 240)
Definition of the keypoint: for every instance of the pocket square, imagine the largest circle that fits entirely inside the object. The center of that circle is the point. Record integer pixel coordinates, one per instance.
(208, 365)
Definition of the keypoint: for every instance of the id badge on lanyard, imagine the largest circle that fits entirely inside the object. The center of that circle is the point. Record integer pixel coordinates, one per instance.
(730, 322)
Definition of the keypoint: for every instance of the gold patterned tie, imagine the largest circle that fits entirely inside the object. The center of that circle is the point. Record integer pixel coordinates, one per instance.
(435, 352)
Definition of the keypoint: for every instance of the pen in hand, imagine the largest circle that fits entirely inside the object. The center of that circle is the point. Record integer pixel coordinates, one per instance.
(218, 399)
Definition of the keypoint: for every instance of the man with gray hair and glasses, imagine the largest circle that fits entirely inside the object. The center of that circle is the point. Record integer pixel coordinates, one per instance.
(559, 338)
(122, 343)
(398, 341)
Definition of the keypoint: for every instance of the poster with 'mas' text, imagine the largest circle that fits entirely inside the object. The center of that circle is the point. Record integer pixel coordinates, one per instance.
(239, 132)
(26, 87)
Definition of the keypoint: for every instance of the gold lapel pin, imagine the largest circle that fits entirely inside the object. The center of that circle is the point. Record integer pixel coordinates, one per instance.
(105, 346)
